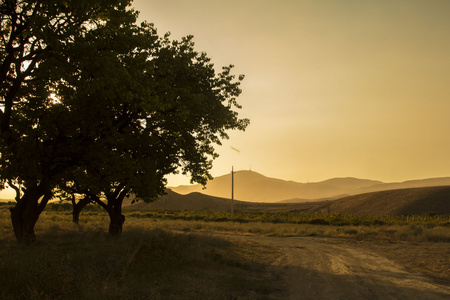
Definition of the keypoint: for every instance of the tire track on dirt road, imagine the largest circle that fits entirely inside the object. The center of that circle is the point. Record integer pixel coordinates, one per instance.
(319, 268)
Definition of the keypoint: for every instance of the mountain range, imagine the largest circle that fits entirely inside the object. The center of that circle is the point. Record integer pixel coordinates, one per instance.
(254, 187)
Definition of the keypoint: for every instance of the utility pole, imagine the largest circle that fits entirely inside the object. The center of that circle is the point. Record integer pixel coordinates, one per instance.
(232, 184)
(232, 192)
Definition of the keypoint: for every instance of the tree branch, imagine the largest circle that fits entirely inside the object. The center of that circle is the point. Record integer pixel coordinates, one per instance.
(15, 188)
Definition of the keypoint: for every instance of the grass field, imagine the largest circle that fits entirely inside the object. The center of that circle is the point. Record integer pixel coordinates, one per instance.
(166, 258)
(149, 261)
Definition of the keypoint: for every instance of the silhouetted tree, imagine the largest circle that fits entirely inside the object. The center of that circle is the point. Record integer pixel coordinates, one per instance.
(94, 101)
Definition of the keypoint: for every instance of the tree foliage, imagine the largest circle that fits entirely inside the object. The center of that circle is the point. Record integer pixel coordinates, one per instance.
(96, 104)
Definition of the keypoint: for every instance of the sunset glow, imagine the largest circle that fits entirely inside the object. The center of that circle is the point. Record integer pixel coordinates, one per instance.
(332, 88)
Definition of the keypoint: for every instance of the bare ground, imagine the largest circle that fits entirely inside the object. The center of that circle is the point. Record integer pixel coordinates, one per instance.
(328, 268)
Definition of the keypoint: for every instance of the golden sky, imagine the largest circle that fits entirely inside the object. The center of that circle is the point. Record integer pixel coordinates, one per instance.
(333, 88)
(356, 88)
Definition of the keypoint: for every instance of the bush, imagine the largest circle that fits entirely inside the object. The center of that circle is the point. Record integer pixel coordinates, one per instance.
(319, 221)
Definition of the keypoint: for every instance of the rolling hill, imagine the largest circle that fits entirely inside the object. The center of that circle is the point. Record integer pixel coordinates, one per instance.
(414, 201)
(254, 187)
(198, 201)
(429, 182)
(354, 196)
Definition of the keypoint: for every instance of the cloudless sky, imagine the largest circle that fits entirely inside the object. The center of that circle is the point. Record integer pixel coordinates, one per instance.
(356, 88)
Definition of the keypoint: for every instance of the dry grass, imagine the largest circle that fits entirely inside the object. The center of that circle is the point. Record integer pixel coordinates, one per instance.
(167, 259)
(147, 262)
(411, 232)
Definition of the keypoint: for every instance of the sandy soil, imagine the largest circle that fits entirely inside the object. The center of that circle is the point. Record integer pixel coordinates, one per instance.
(320, 268)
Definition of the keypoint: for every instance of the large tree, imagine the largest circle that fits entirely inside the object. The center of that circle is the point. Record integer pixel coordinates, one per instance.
(93, 101)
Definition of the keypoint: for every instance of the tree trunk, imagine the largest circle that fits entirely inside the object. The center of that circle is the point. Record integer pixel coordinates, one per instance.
(23, 220)
(116, 220)
(26, 213)
(78, 207)
(114, 209)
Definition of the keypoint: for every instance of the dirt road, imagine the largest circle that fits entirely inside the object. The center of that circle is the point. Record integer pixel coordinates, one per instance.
(318, 268)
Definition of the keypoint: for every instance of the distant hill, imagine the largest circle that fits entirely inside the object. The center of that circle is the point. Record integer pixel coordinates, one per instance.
(254, 187)
(354, 196)
(200, 202)
(174, 201)
(440, 181)
(415, 201)
(192, 201)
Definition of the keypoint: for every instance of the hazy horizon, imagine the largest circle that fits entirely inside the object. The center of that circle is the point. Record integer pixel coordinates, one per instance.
(322, 180)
